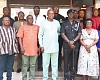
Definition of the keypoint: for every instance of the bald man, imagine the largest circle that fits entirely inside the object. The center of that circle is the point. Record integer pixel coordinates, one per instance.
(49, 45)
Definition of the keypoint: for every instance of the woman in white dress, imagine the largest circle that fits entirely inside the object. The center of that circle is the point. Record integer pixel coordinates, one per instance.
(88, 62)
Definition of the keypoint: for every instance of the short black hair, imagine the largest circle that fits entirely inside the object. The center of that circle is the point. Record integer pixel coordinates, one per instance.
(88, 19)
(70, 11)
(20, 12)
(5, 7)
(98, 8)
(37, 7)
(81, 10)
(28, 16)
(54, 6)
(4, 17)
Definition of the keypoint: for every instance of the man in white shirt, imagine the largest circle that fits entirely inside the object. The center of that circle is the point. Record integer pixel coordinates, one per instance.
(37, 20)
(48, 40)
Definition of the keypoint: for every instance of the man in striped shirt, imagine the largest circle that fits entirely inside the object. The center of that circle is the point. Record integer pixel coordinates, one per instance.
(7, 47)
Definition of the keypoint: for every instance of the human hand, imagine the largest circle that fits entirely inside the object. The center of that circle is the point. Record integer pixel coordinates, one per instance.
(72, 46)
(87, 47)
(71, 42)
(42, 49)
(22, 51)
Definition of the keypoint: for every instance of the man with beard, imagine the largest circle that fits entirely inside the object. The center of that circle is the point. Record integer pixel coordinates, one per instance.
(6, 12)
(8, 47)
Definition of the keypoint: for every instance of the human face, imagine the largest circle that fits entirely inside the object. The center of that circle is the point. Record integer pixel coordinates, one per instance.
(70, 15)
(21, 16)
(95, 13)
(56, 9)
(6, 11)
(81, 14)
(89, 24)
(75, 14)
(36, 10)
(50, 14)
(30, 20)
(6, 21)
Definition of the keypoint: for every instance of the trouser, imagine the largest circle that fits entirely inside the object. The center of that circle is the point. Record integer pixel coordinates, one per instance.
(40, 61)
(69, 59)
(28, 60)
(19, 61)
(6, 63)
(54, 65)
(60, 50)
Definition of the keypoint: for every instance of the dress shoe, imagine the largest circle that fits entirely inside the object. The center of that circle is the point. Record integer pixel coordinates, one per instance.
(66, 79)
(18, 70)
(72, 79)
(60, 69)
(28, 69)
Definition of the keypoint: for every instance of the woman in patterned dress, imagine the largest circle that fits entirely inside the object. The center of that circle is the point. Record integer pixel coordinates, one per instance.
(88, 63)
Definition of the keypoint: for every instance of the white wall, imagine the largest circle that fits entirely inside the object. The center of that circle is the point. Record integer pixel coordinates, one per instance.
(14, 11)
(97, 5)
(3, 3)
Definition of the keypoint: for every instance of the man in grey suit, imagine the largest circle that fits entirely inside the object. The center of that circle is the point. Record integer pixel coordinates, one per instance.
(21, 21)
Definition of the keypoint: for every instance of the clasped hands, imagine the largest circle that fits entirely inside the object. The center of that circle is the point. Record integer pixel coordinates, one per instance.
(71, 44)
(87, 47)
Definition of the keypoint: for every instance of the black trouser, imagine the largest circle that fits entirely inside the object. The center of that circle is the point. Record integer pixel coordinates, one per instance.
(40, 61)
(68, 60)
(60, 50)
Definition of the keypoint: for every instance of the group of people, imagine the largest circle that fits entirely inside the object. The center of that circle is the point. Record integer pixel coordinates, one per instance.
(42, 38)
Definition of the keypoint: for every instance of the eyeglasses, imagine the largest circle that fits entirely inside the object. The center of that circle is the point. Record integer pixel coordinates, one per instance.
(21, 15)
(88, 22)
(56, 8)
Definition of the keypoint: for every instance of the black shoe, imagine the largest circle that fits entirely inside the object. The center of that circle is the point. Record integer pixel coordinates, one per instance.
(28, 69)
(12, 70)
(72, 79)
(18, 70)
(66, 79)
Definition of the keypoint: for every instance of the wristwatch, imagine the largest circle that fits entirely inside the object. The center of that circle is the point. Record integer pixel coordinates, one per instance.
(74, 40)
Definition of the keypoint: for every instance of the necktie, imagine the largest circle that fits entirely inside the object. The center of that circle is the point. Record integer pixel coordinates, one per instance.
(35, 19)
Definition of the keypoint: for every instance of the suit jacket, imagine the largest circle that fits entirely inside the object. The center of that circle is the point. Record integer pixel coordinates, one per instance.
(17, 24)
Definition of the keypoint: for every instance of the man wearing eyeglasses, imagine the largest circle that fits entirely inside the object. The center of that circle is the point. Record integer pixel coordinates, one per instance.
(16, 25)
(37, 20)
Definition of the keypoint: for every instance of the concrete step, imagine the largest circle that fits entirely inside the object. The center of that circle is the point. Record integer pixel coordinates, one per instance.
(38, 76)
